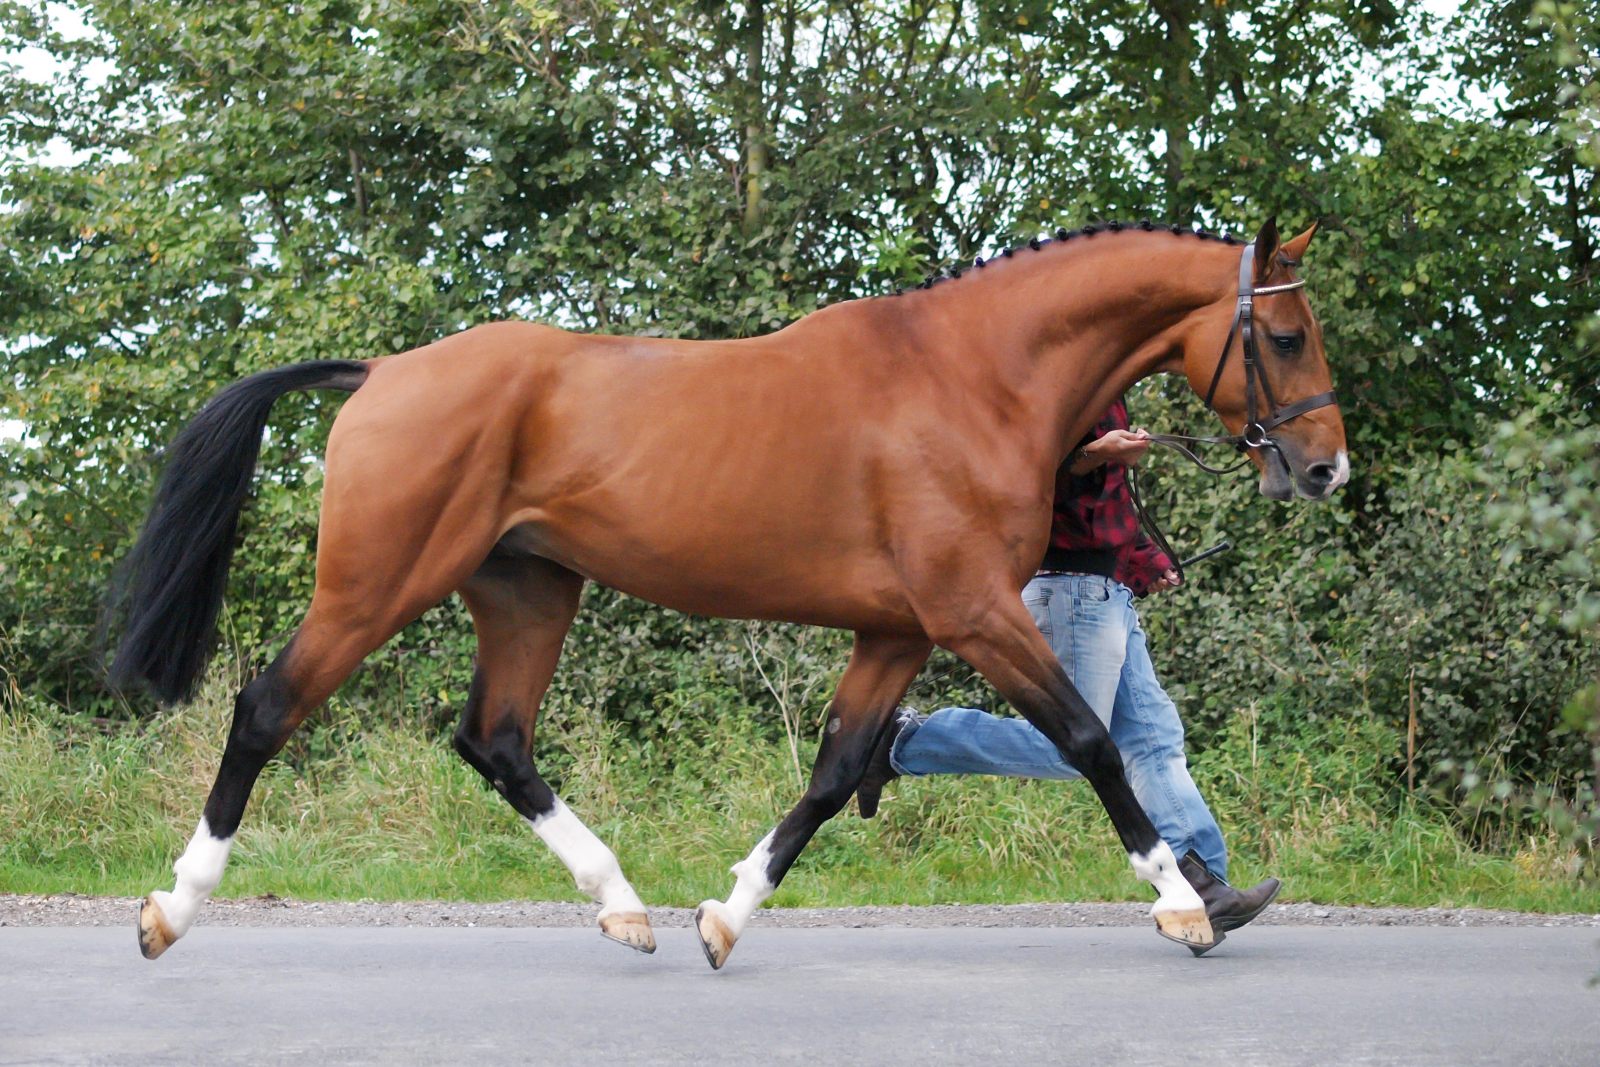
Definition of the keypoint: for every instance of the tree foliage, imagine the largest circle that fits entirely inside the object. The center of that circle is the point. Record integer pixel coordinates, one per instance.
(206, 190)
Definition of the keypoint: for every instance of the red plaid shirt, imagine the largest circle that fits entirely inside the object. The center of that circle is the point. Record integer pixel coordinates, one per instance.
(1095, 511)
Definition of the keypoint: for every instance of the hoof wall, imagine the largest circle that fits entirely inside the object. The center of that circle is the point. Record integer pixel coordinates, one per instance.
(155, 936)
(715, 937)
(1199, 951)
(1187, 927)
(631, 928)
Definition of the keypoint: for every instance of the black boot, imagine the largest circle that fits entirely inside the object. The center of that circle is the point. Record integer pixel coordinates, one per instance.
(880, 772)
(1227, 908)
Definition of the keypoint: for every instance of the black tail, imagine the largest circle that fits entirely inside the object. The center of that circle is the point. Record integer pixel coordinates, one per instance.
(169, 589)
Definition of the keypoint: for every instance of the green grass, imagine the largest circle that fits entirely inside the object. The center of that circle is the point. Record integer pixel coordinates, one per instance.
(388, 812)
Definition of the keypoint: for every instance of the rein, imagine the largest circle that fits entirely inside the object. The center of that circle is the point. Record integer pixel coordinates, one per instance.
(1257, 432)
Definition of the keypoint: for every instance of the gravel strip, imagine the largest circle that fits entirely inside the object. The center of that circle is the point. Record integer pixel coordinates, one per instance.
(72, 910)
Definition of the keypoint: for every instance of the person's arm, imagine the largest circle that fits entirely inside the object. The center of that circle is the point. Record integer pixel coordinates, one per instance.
(1145, 569)
(1125, 447)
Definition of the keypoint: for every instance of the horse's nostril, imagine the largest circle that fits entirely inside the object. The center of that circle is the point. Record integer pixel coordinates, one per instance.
(1322, 473)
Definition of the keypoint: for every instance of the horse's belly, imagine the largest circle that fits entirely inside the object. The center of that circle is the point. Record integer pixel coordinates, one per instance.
(729, 578)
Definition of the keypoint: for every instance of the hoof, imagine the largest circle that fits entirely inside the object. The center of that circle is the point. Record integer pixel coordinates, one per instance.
(631, 928)
(155, 936)
(1198, 951)
(1187, 927)
(715, 937)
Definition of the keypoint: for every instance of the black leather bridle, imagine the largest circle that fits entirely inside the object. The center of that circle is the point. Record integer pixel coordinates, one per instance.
(1257, 430)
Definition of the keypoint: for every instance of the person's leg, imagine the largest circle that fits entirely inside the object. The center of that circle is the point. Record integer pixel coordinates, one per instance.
(1147, 731)
(1079, 617)
(972, 741)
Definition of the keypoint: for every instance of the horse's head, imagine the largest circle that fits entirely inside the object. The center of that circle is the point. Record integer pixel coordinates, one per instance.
(1270, 384)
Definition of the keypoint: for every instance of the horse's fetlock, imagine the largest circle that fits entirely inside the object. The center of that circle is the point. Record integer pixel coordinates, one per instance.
(199, 876)
(597, 872)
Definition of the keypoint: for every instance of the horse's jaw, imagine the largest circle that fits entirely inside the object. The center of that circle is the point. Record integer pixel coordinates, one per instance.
(1277, 483)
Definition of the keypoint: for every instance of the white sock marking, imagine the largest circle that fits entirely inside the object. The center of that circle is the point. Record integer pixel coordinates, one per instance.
(752, 887)
(199, 870)
(594, 867)
(1159, 867)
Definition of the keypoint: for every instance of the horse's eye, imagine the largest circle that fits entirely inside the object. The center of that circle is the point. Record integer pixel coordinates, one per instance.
(1287, 343)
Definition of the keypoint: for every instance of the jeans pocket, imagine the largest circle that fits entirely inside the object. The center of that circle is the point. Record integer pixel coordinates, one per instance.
(1093, 591)
(1038, 605)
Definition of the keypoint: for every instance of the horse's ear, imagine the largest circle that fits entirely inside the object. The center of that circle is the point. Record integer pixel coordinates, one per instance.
(1294, 249)
(1266, 248)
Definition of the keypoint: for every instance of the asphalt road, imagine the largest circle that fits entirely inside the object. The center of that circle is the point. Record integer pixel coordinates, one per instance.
(1275, 995)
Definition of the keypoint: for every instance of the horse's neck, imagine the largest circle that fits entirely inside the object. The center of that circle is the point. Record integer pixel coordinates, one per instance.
(1071, 328)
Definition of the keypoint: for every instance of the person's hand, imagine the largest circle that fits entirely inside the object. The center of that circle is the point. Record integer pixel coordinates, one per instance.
(1125, 447)
(1168, 580)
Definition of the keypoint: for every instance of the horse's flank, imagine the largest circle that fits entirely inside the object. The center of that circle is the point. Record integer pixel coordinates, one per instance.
(723, 477)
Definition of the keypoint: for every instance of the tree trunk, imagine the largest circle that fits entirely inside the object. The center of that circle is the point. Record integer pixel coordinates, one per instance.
(1177, 105)
(755, 135)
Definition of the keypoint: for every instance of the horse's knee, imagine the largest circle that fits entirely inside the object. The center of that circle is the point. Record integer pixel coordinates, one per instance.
(503, 759)
(482, 744)
(467, 748)
(468, 740)
(840, 767)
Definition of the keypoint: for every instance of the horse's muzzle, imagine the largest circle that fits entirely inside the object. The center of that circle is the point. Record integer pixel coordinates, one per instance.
(1283, 479)
(1321, 480)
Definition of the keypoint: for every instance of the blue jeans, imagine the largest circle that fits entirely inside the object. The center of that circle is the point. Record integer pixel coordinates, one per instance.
(1092, 626)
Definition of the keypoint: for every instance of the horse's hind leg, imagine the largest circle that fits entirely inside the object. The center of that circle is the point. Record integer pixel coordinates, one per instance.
(880, 670)
(522, 608)
(326, 648)
(384, 558)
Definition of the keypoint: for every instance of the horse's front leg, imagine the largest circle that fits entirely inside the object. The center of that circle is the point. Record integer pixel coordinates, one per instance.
(996, 635)
(880, 670)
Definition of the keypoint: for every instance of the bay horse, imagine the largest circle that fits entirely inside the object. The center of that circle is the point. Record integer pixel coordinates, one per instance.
(884, 465)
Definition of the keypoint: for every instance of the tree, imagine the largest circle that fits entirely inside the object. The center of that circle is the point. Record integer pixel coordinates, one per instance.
(253, 184)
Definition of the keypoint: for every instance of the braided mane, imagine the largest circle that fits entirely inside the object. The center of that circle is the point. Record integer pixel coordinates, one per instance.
(1034, 244)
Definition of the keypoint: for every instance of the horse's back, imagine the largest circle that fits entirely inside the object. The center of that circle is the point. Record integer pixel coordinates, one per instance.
(717, 477)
